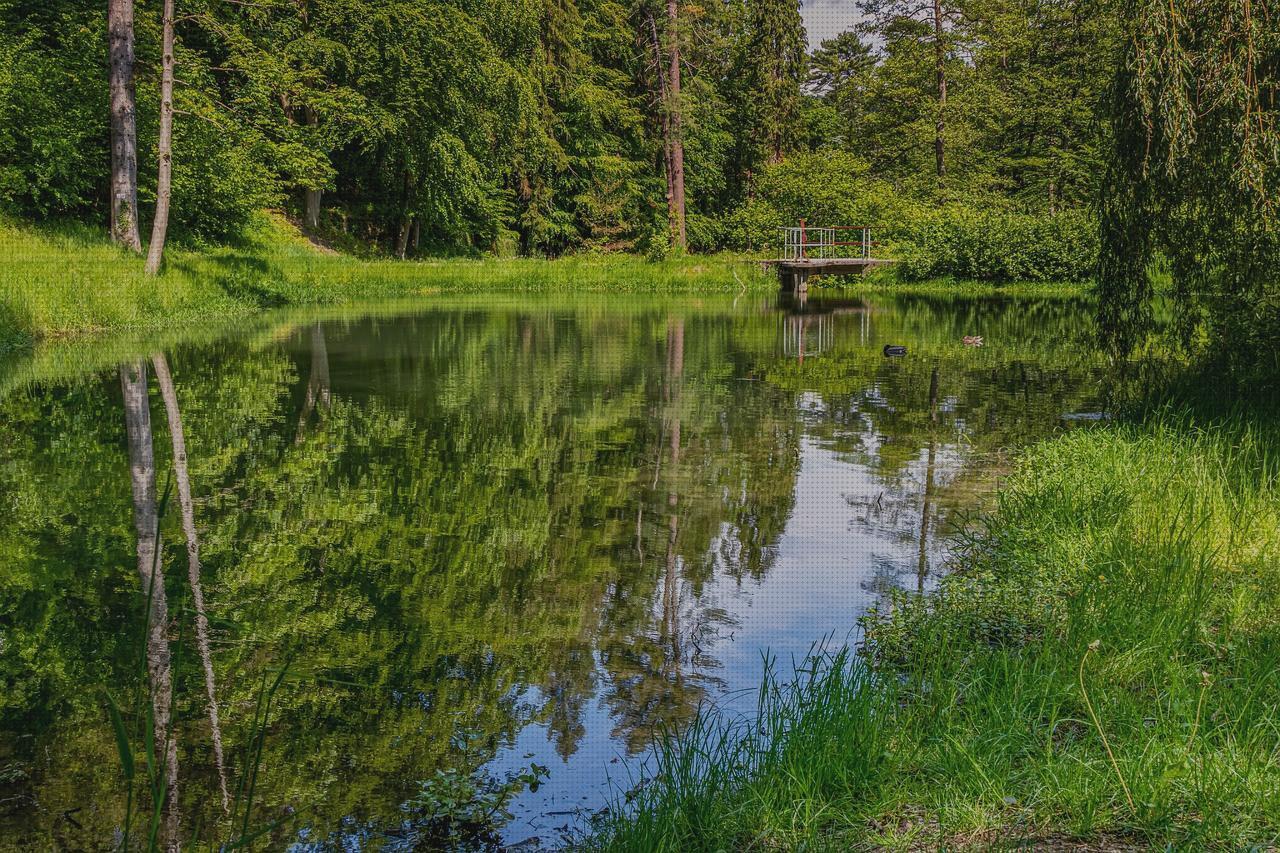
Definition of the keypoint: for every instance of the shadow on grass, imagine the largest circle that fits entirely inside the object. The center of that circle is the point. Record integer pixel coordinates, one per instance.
(244, 278)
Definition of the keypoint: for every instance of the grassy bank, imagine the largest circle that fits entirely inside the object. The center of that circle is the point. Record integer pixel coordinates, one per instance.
(66, 280)
(1102, 664)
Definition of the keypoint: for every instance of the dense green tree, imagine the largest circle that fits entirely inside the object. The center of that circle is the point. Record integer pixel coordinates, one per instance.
(1194, 176)
(1043, 69)
(839, 72)
(917, 118)
(770, 70)
(546, 126)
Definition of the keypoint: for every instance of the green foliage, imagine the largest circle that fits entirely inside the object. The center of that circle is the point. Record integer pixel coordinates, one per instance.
(65, 280)
(771, 68)
(53, 113)
(1193, 176)
(1001, 247)
(535, 127)
(823, 188)
(459, 809)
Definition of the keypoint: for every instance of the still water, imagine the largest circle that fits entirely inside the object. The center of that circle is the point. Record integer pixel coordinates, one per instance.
(481, 536)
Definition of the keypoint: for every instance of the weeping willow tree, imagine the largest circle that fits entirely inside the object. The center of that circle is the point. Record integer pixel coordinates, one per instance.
(1194, 178)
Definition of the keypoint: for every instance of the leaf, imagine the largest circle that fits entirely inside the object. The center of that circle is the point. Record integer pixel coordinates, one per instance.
(122, 736)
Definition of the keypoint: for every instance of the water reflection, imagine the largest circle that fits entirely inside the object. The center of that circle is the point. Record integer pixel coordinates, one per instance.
(486, 537)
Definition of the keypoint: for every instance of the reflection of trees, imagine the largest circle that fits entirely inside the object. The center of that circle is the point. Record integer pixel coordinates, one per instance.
(493, 518)
(453, 529)
(182, 476)
(146, 522)
(931, 426)
(317, 392)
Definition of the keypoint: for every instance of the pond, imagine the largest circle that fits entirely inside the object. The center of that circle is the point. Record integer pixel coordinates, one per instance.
(481, 536)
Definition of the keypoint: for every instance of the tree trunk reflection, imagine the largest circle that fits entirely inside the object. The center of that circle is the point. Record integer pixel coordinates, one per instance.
(146, 520)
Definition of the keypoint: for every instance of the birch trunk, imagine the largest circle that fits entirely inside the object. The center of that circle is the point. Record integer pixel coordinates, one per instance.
(402, 241)
(146, 521)
(124, 130)
(164, 182)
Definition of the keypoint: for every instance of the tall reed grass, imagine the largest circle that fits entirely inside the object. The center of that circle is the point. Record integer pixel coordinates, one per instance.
(1104, 660)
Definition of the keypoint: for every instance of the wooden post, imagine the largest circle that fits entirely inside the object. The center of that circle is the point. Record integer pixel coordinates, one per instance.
(802, 239)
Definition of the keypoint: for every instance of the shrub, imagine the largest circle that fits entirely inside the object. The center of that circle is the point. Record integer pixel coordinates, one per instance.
(706, 233)
(963, 243)
(53, 117)
(753, 227)
(824, 188)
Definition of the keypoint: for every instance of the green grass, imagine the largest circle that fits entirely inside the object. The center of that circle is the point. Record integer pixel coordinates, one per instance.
(1103, 662)
(64, 280)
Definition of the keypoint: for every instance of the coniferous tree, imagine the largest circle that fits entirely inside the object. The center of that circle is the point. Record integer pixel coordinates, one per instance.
(773, 69)
(839, 72)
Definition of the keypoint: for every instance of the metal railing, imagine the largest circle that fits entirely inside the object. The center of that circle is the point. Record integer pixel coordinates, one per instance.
(808, 243)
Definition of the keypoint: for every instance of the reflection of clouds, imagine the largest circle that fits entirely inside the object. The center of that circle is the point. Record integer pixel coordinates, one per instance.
(824, 19)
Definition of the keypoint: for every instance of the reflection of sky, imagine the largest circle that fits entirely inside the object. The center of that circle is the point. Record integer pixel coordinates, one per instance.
(824, 19)
(828, 569)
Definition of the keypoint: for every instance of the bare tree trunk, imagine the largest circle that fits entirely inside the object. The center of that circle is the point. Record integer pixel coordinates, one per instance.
(146, 521)
(124, 130)
(311, 218)
(664, 118)
(940, 56)
(933, 396)
(922, 564)
(406, 216)
(183, 476)
(164, 182)
(402, 242)
(311, 206)
(676, 129)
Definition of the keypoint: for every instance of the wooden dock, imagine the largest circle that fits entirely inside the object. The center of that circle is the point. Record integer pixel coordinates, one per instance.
(811, 251)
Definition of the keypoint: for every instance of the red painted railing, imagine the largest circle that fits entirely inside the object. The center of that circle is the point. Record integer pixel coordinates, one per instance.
(806, 242)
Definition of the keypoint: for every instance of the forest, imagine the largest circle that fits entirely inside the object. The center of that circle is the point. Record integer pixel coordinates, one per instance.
(545, 127)
(504, 481)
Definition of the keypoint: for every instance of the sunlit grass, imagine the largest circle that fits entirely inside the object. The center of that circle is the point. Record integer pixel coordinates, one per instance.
(64, 280)
(57, 281)
(1156, 545)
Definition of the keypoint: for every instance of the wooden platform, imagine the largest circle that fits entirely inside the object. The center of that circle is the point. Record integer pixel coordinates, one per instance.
(795, 272)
